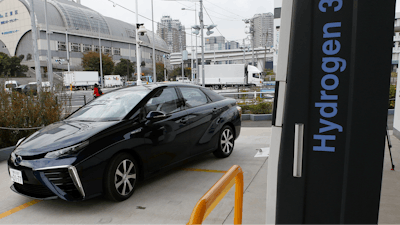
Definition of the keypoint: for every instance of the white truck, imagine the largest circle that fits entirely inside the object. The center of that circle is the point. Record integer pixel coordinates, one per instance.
(217, 76)
(112, 81)
(80, 79)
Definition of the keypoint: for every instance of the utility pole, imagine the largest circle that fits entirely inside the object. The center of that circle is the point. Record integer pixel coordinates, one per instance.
(67, 46)
(252, 39)
(244, 49)
(35, 49)
(202, 42)
(138, 59)
(181, 45)
(154, 51)
(49, 64)
(101, 60)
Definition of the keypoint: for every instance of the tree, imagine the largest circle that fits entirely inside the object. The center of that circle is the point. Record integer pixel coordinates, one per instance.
(11, 66)
(177, 72)
(122, 68)
(160, 72)
(91, 62)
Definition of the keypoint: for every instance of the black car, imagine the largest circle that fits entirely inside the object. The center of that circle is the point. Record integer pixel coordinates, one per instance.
(121, 137)
(27, 89)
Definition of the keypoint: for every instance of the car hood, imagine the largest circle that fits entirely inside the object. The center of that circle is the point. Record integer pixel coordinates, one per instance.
(60, 135)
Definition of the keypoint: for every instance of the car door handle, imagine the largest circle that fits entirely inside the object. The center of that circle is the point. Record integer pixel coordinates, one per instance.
(183, 120)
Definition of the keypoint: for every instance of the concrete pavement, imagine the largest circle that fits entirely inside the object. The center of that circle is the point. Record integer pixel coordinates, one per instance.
(167, 198)
(170, 197)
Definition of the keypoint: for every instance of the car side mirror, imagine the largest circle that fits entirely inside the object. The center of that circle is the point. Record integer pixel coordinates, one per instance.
(154, 116)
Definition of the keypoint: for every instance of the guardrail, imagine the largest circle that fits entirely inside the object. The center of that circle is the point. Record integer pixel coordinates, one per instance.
(254, 94)
(211, 199)
(73, 98)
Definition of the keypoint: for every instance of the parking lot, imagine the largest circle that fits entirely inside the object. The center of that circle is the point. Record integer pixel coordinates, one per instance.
(167, 198)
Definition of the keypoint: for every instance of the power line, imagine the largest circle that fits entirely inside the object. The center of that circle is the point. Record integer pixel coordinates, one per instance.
(212, 20)
(225, 10)
(228, 17)
(158, 23)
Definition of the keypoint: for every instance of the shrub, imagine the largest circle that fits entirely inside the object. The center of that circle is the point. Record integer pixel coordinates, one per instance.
(21, 111)
(259, 108)
(392, 95)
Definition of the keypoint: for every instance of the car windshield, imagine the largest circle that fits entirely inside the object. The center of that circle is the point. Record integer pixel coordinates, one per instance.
(11, 85)
(112, 106)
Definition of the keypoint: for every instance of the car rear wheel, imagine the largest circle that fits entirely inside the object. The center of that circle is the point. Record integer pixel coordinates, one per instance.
(121, 177)
(226, 143)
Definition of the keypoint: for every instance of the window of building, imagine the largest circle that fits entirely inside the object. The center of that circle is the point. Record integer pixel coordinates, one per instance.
(87, 48)
(62, 46)
(75, 47)
(107, 50)
(96, 48)
(117, 51)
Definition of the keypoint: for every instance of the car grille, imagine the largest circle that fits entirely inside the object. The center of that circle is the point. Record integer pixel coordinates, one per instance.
(33, 157)
(62, 179)
(34, 190)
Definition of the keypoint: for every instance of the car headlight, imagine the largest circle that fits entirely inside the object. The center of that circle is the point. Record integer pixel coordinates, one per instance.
(66, 151)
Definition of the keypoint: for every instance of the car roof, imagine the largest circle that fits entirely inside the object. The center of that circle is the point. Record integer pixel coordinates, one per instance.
(152, 86)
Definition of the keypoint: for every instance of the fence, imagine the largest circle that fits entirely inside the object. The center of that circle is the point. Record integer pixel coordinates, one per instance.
(211, 199)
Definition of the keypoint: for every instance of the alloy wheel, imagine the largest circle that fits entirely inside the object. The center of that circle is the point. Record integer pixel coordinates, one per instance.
(227, 141)
(125, 177)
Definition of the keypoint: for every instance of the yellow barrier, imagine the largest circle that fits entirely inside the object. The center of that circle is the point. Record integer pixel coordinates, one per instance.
(213, 196)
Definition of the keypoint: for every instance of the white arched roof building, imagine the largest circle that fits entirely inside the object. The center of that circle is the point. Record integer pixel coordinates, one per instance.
(80, 23)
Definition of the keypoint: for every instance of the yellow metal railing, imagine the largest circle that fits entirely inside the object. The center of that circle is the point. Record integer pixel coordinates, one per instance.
(213, 196)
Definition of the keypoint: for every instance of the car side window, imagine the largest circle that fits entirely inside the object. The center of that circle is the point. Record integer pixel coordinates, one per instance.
(165, 100)
(193, 97)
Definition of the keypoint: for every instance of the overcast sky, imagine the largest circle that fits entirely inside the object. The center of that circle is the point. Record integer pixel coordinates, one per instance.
(227, 14)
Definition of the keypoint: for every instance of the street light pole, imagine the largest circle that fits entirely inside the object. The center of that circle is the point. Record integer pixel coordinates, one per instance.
(138, 59)
(101, 59)
(154, 54)
(202, 43)
(67, 46)
(35, 48)
(49, 64)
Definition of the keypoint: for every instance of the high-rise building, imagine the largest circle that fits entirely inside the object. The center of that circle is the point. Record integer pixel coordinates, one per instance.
(215, 43)
(231, 45)
(263, 28)
(173, 33)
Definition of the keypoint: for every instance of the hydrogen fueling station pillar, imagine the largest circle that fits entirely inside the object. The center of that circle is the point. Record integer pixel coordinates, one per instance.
(329, 120)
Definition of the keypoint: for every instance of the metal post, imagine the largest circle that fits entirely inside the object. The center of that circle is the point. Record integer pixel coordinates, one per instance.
(101, 59)
(252, 40)
(181, 45)
(35, 48)
(202, 42)
(244, 49)
(138, 59)
(197, 64)
(129, 61)
(165, 71)
(154, 51)
(67, 46)
(49, 64)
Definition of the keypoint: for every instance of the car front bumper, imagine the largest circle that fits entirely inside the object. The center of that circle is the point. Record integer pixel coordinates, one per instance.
(49, 182)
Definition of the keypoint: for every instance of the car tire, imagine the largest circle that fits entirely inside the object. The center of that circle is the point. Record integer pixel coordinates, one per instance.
(121, 177)
(226, 142)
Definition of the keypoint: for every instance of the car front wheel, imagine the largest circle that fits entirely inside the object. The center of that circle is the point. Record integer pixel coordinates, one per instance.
(121, 177)
(226, 143)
